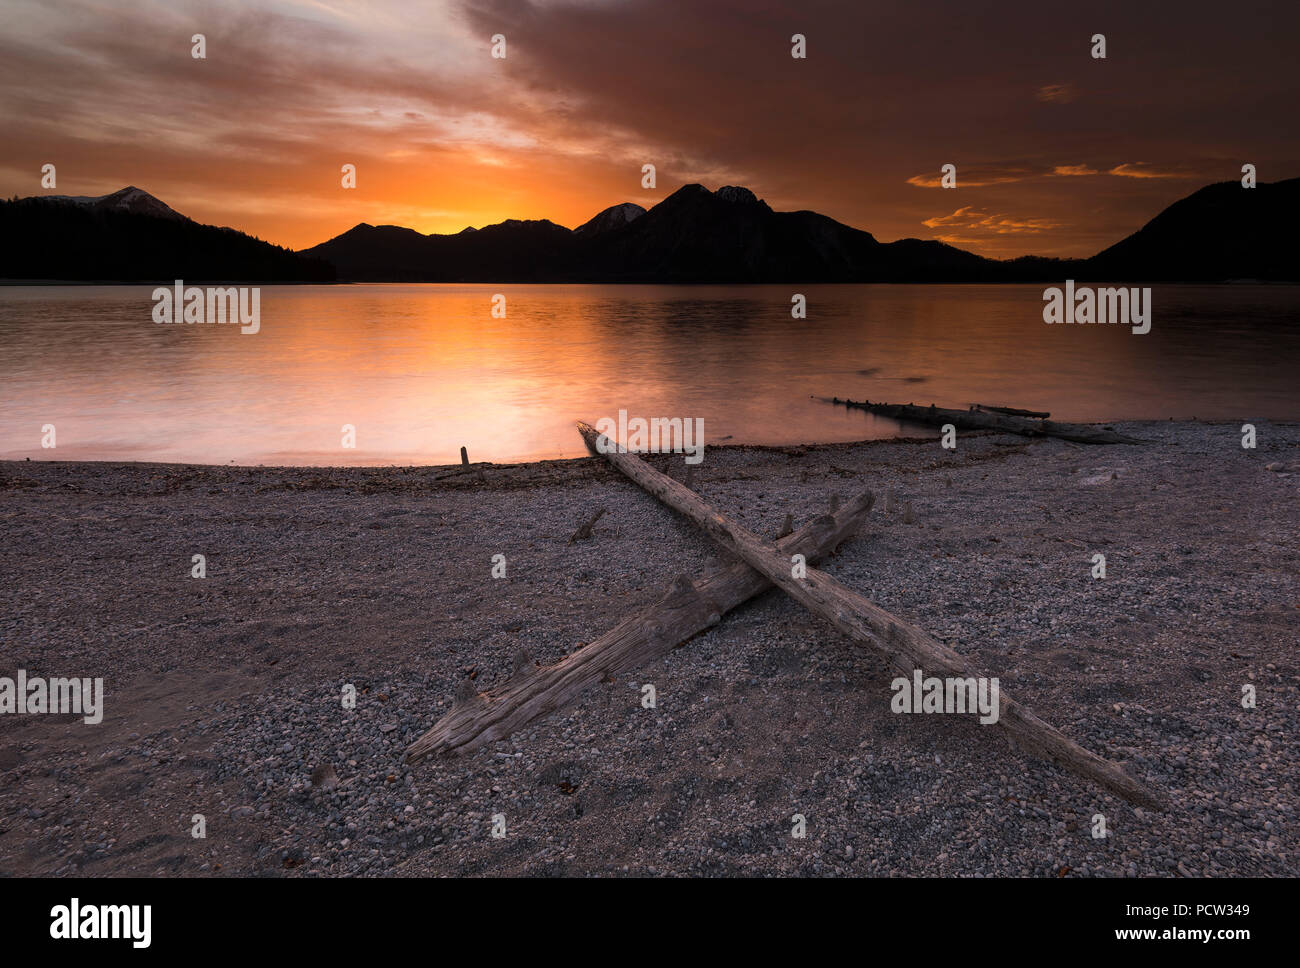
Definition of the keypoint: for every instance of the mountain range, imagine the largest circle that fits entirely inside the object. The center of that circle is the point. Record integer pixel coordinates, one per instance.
(693, 235)
(130, 236)
(1221, 232)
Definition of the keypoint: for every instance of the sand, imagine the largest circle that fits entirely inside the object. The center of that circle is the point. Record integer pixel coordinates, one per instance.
(224, 694)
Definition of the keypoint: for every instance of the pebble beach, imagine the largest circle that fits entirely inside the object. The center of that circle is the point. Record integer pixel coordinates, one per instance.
(224, 695)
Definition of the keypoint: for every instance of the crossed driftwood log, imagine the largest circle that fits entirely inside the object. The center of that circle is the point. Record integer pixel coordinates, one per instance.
(687, 609)
(690, 607)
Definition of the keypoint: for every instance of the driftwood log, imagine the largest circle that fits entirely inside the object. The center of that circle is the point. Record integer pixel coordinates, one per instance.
(688, 608)
(1012, 411)
(905, 646)
(974, 420)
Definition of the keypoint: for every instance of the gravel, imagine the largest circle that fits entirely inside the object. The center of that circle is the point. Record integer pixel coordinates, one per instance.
(226, 706)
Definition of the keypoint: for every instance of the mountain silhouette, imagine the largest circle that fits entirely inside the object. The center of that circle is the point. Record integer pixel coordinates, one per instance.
(614, 217)
(130, 236)
(1221, 232)
(510, 251)
(693, 235)
(130, 199)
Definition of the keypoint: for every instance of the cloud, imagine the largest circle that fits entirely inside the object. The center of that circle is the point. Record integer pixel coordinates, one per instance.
(968, 217)
(980, 176)
(1057, 93)
(958, 217)
(974, 177)
(591, 90)
(1140, 169)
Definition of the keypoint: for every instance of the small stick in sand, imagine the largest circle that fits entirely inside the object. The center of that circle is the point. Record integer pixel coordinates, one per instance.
(584, 531)
(464, 462)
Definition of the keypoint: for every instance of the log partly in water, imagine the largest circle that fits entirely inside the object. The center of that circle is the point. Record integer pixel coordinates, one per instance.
(971, 420)
(1012, 411)
(687, 609)
(905, 646)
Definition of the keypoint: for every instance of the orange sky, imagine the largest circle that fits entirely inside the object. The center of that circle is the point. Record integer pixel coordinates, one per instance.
(1057, 153)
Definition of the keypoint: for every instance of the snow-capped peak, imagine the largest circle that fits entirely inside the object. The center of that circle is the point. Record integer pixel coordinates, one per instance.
(611, 218)
(129, 199)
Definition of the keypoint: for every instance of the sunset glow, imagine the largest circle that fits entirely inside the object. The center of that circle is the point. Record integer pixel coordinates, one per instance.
(1056, 153)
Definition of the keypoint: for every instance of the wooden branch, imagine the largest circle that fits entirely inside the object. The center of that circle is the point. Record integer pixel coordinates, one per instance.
(787, 526)
(584, 530)
(1012, 411)
(687, 609)
(906, 646)
(968, 420)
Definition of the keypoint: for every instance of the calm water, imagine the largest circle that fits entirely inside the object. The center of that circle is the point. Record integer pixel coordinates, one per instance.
(420, 370)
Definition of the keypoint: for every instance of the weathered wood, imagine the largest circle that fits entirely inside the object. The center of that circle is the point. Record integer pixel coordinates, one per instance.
(787, 526)
(584, 530)
(905, 646)
(1012, 411)
(971, 420)
(687, 609)
(464, 457)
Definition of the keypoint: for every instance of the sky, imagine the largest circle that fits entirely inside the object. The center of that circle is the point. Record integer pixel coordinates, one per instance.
(1056, 152)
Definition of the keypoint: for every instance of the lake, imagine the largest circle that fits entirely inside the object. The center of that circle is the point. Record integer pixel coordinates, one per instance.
(420, 370)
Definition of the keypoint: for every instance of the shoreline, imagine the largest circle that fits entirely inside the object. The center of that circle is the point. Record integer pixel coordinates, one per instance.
(454, 468)
(636, 282)
(222, 695)
(920, 435)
